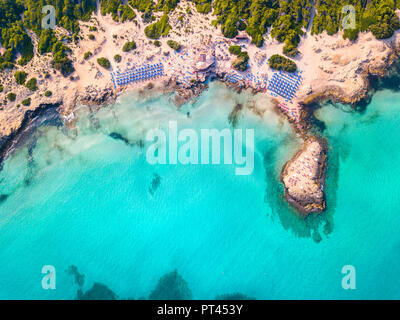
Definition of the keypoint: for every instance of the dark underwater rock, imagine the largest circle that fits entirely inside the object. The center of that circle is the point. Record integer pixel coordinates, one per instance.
(171, 286)
(117, 136)
(155, 183)
(234, 296)
(97, 292)
(3, 198)
(78, 277)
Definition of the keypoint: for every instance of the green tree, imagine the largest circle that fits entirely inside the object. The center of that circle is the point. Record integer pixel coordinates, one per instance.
(20, 77)
(128, 46)
(32, 84)
(104, 62)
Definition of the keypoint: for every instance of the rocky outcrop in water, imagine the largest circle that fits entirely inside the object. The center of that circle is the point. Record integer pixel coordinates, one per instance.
(97, 292)
(95, 96)
(186, 94)
(303, 176)
(171, 287)
(234, 296)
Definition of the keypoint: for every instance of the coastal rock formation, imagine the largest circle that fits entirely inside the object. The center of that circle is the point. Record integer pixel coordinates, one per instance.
(187, 94)
(94, 95)
(303, 176)
(340, 70)
(171, 286)
(31, 120)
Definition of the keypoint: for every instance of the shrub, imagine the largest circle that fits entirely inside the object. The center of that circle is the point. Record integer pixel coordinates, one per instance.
(279, 62)
(32, 84)
(48, 93)
(158, 29)
(240, 63)
(26, 102)
(91, 37)
(104, 62)
(203, 8)
(117, 58)
(351, 34)
(157, 43)
(235, 50)
(174, 45)
(1, 88)
(130, 45)
(11, 96)
(20, 77)
(61, 61)
(87, 55)
(290, 50)
(92, 28)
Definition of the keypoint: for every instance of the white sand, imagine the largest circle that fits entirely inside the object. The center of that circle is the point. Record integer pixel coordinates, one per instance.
(326, 62)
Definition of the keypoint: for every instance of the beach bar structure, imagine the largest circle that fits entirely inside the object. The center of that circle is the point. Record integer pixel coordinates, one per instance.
(143, 73)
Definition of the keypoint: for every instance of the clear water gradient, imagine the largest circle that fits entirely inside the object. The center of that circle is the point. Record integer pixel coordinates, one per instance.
(80, 197)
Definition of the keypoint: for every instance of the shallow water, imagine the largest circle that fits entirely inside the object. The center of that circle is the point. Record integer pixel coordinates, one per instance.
(85, 198)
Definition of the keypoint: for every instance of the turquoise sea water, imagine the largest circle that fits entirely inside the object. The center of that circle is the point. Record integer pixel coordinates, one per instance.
(80, 197)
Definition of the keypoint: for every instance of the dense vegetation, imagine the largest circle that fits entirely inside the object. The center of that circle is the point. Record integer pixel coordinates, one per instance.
(117, 58)
(235, 49)
(14, 36)
(119, 11)
(255, 17)
(288, 19)
(285, 19)
(11, 96)
(104, 62)
(174, 45)
(20, 77)
(377, 16)
(279, 62)
(240, 63)
(158, 29)
(128, 46)
(26, 102)
(203, 6)
(87, 55)
(32, 84)
(148, 5)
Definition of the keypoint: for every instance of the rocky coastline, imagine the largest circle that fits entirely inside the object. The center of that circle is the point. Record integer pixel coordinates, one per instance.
(32, 119)
(304, 202)
(303, 176)
(337, 94)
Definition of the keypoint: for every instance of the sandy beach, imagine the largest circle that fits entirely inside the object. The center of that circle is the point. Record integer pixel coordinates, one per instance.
(328, 67)
(329, 64)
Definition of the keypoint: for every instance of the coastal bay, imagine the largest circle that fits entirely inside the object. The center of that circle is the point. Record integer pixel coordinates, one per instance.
(77, 191)
(89, 193)
(339, 71)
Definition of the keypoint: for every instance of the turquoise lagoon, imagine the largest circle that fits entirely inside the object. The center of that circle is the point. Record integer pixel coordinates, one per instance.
(82, 197)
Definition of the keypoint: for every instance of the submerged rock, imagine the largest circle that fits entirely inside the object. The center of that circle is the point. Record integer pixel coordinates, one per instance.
(97, 292)
(3, 198)
(303, 176)
(78, 277)
(234, 115)
(171, 287)
(155, 183)
(117, 136)
(233, 296)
